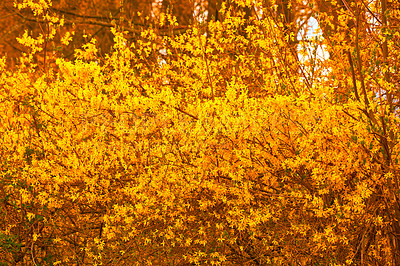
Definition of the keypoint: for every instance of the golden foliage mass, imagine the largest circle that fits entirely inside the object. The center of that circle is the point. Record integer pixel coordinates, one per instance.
(226, 137)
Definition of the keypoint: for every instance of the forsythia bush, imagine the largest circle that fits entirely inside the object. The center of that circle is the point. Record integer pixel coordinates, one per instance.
(222, 149)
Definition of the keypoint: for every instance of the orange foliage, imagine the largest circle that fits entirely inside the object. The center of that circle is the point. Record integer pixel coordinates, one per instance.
(226, 141)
